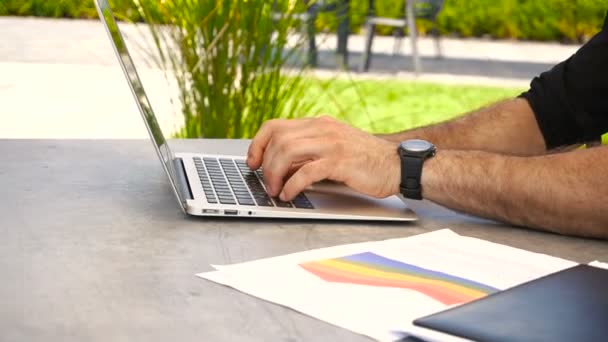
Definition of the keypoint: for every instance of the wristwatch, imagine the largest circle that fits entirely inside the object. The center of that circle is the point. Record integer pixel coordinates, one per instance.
(413, 153)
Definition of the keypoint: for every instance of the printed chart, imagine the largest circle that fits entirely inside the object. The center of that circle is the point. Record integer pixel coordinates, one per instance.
(374, 270)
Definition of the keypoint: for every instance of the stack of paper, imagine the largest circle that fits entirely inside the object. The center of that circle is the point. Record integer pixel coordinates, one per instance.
(599, 264)
(378, 288)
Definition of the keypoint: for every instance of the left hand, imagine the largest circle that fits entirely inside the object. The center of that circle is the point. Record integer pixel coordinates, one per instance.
(294, 154)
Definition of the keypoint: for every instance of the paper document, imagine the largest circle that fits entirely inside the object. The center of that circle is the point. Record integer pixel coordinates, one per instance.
(599, 264)
(378, 288)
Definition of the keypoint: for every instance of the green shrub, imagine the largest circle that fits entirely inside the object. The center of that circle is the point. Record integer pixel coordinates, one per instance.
(571, 20)
(563, 20)
(568, 20)
(61, 8)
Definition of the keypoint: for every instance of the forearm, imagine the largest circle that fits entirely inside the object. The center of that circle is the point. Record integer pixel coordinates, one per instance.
(564, 193)
(508, 127)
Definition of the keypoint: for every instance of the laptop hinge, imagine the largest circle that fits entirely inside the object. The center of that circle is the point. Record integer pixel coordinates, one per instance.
(182, 180)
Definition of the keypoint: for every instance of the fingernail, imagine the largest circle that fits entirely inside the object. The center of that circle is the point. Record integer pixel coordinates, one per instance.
(282, 196)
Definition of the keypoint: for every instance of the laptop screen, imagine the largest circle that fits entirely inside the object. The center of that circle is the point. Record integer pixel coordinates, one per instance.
(145, 108)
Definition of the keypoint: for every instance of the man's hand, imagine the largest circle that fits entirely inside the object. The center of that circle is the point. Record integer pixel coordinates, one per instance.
(297, 153)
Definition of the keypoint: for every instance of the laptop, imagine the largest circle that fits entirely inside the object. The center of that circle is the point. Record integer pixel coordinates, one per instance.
(222, 185)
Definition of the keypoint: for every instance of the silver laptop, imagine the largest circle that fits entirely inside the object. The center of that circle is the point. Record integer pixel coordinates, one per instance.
(223, 185)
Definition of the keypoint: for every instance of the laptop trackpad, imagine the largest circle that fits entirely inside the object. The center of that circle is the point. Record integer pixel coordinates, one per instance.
(338, 198)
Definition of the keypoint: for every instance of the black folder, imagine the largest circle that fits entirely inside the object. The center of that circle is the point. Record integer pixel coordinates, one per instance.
(570, 305)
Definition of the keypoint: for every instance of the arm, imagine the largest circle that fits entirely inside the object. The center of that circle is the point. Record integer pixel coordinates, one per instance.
(507, 127)
(567, 103)
(565, 193)
(491, 163)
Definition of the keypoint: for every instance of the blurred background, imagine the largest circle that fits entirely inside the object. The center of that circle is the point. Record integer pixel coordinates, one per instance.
(220, 68)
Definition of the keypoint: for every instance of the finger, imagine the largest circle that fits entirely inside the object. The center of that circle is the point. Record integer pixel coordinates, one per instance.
(296, 166)
(276, 165)
(282, 142)
(284, 149)
(262, 138)
(260, 141)
(307, 175)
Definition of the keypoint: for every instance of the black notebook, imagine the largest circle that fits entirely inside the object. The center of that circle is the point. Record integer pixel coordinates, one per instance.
(570, 305)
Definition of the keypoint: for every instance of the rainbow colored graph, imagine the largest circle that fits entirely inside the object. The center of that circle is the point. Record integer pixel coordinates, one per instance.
(374, 270)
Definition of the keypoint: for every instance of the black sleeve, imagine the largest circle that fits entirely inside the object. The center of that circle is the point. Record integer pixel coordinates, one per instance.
(570, 101)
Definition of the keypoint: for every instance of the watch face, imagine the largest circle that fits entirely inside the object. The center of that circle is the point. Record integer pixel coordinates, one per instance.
(416, 145)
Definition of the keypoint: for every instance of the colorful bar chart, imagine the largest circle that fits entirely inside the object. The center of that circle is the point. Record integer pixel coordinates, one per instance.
(374, 270)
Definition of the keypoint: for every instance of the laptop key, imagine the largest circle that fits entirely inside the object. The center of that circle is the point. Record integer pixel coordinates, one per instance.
(282, 204)
(246, 201)
(264, 201)
(232, 181)
(227, 201)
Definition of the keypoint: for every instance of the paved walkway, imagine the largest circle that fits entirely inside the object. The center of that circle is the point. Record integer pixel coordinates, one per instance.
(60, 78)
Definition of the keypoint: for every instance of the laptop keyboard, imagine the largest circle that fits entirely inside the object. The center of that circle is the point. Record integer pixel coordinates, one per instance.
(229, 181)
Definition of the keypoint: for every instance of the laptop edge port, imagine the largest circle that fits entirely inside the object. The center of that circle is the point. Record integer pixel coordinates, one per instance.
(231, 212)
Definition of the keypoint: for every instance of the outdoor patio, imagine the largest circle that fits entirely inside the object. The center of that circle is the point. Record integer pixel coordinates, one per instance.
(61, 78)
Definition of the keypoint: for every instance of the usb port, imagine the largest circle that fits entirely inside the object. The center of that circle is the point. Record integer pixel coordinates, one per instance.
(211, 211)
(231, 212)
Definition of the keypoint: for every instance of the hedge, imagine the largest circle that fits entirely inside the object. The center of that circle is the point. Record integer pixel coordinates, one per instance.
(82, 9)
(562, 20)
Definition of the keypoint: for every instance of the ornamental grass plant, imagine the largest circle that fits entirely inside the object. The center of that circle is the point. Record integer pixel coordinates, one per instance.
(228, 59)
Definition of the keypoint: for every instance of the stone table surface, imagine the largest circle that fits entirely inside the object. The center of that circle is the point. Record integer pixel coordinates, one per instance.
(93, 247)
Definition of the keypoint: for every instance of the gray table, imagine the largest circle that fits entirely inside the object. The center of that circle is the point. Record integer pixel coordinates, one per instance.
(94, 248)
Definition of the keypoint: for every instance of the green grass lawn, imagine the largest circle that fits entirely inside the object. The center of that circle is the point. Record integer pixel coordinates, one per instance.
(383, 106)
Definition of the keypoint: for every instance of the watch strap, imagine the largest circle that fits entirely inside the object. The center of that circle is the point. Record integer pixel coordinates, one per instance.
(411, 172)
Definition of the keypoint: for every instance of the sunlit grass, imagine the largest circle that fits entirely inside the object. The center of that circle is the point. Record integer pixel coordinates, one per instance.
(383, 106)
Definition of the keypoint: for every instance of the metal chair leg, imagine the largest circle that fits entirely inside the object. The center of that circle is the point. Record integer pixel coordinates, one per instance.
(411, 26)
(312, 44)
(369, 38)
(437, 36)
(343, 30)
(398, 35)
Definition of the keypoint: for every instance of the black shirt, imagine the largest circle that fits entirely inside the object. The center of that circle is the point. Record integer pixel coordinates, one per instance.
(570, 101)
